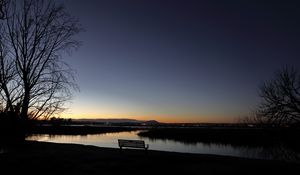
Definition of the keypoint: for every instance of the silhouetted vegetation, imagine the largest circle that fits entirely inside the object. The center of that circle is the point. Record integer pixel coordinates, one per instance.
(58, 121)
(11, 128)
(1, 9)
(34, 80)
(280, 104)
(232, 136)
(62, 126)
(76, 130)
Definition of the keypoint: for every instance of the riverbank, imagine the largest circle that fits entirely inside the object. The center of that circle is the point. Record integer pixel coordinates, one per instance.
(229, 135)
(78, 129)
(52, 158)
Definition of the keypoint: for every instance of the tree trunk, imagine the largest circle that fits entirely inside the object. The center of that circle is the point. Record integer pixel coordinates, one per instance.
(9, 104)
(25, 105)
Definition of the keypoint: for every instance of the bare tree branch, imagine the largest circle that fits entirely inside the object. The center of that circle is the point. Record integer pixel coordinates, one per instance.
(281, 99)
(34, 80)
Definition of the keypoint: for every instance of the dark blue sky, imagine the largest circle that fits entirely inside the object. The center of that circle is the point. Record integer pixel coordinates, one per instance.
(192, 61)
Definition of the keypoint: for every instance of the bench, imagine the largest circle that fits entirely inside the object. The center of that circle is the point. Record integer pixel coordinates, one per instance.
(132, 144)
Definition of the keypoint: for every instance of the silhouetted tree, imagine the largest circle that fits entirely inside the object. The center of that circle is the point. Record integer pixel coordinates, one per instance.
(59, 121)
(34, 80)
(281, 99)
(1, 9)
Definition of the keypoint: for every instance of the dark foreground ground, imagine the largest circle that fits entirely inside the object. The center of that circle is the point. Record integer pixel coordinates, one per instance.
(52, 158)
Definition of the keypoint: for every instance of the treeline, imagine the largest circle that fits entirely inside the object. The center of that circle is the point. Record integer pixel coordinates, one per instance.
(55, 121)
(232, 136)
(76, 130)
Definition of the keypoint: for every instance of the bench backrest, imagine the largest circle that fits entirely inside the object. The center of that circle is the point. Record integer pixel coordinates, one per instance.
(131, 143)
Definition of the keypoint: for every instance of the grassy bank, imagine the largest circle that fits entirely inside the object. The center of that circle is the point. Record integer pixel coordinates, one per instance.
(52, 158)
(232, 136)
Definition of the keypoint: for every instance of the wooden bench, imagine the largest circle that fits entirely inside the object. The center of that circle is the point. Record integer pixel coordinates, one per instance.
(132, 144)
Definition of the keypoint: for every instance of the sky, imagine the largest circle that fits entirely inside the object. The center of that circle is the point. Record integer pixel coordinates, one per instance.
(179, 60)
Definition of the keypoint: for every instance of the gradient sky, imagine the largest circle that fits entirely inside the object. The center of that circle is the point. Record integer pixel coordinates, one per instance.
(179, 61)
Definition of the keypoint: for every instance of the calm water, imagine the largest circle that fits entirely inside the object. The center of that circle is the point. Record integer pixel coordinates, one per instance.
(111, 140)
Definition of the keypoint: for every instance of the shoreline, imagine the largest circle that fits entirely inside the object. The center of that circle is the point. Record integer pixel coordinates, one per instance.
(49, 158)
(79, 130)
(269, 151)
(251, 137)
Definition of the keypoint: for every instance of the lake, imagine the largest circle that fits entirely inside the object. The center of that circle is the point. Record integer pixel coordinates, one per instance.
(111, 140)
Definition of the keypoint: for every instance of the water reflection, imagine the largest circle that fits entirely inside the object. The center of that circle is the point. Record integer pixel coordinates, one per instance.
(278, 152)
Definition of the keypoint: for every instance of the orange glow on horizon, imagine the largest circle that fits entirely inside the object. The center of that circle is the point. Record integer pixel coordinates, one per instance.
(82, 111)
(159, 118)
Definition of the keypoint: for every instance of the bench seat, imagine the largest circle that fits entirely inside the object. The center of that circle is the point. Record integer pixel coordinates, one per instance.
(132, 144)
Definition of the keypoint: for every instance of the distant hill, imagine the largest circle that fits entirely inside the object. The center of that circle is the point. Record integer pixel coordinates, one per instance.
(151, 122)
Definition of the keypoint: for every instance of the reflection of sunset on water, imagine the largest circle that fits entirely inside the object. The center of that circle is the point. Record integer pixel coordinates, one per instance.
(110, 140)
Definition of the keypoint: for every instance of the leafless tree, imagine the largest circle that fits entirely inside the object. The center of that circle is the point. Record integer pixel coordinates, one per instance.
(1, 9)
(34, 80)
(281, 99)
(250, 119)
